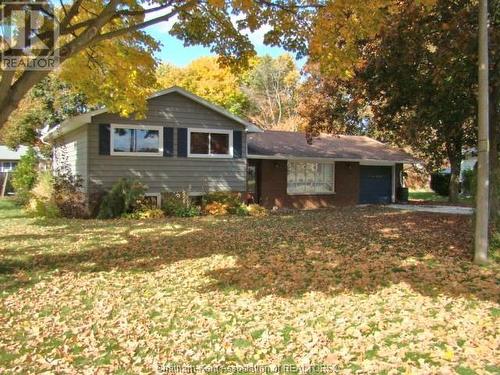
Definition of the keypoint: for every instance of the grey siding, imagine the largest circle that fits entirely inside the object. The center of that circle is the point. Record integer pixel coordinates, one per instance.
(70, 152)
(197, 175)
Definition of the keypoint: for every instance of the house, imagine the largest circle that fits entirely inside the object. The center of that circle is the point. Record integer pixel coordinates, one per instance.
(8, 162)
(9, 158)
(185, 143)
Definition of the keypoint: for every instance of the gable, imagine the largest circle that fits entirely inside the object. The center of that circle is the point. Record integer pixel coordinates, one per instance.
(175, 110)
(174, 107)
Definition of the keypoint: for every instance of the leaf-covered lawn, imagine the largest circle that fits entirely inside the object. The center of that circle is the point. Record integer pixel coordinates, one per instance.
(362, 289)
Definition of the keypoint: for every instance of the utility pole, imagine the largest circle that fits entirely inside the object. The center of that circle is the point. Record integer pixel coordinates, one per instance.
(483, 179)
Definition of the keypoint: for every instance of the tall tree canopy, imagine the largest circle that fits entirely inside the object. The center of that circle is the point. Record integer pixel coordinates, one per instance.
(421, 82)
(272, 87)
(48, 103)
(414, 84)
(105, 53)
(210, 80)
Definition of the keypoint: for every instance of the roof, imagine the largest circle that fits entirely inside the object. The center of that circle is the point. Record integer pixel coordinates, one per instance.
(293, 145)
(9, 154)
(75, 122)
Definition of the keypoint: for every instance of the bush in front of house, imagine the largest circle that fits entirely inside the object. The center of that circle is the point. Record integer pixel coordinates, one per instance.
(222, 203)
(440, 183)
(41, 201)
(68, 195)
(123, 198)
(179, 204)
(25, 175)
(257, 210)
(145, 209)
(216, 209)
(145, 213)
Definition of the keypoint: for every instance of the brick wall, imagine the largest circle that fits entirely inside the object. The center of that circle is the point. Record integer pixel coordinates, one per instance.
(273, 181)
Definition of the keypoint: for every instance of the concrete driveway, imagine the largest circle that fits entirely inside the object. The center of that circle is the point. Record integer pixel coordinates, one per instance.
(457, 210)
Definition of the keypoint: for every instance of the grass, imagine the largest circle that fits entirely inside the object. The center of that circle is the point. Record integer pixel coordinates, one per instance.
(361, 289)
(432, 197)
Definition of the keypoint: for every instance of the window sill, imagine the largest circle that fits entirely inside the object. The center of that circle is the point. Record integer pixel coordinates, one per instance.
(140, 154)
(212, 156)
(324, 193)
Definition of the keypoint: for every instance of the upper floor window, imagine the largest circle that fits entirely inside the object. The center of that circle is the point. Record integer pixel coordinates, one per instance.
(310, 178)
(210, 143)
(136, 140)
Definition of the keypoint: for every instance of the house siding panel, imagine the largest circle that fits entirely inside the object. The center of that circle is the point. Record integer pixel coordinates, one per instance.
(70, 151)
(197, 175)
(273, 183)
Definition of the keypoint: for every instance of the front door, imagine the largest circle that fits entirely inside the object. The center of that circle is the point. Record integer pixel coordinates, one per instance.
(253, 179)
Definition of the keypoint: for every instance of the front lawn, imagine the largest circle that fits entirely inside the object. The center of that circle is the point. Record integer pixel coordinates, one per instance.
(430, 197)
(366, 289)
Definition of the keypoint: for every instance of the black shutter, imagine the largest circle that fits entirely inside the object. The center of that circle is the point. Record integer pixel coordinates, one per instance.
(182, 142)
(237, 144)
(168, 142)
(104, 139)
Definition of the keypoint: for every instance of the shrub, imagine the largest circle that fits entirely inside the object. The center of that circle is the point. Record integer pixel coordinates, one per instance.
(147, 213)
(469, 182)
(188, 212)
(257, 210)
(69, 197)
(179, 204)
(440, 183)
(123, 197)
(241, 210)
(24, 176)
(216, 209)
(41, 202)
(95, 199)
(232, 201)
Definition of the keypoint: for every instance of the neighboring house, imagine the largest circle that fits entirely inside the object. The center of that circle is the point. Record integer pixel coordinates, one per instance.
(9, 158)
(185, 143)
(8, 162)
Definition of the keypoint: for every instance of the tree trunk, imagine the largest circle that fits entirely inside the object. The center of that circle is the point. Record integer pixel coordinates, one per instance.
(494, 162)
(483, 170)
(455, 162)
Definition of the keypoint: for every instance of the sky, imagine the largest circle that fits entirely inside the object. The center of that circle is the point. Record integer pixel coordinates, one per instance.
(173, 50)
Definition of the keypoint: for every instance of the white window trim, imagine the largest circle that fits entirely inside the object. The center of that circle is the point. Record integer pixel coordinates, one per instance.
(313, 162)
(158, 198)
(218, 131)
(141, 127)
(2, 167)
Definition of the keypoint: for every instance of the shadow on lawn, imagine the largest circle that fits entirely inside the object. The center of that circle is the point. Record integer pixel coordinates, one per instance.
(334, 251)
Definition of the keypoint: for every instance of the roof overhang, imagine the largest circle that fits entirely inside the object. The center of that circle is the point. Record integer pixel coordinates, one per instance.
(74, 123)
(326, 159)
(71, 124)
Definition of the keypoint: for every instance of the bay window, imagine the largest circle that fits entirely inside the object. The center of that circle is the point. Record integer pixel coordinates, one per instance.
(210, 143)
(136, 140)
(310, 178)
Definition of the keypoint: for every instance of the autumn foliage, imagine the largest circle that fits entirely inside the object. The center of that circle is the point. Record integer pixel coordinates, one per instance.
(363, 289)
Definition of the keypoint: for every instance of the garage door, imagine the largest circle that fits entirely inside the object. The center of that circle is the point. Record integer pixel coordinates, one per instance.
(375, 184)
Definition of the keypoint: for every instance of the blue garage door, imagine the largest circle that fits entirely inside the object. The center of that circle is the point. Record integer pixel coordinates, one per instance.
(375, 184)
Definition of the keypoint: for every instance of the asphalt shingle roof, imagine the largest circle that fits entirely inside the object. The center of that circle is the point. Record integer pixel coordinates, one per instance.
(282, 144)
(8, 154)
